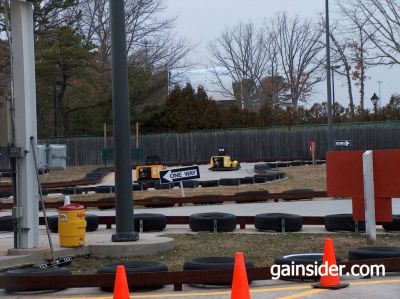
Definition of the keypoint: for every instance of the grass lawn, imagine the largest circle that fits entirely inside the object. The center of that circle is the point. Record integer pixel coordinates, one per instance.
(261, 249)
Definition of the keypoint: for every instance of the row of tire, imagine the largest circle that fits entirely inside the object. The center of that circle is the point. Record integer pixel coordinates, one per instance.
(223, 222)
(104, 189)
(214, 263)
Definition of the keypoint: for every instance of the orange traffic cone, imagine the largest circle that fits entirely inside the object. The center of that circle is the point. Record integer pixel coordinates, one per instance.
(121, 290)
(240, 284)
(330, 280)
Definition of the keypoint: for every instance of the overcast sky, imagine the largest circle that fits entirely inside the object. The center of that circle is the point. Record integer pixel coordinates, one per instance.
(201, 21)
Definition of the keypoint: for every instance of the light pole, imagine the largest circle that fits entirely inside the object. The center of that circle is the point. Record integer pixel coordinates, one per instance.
(375, 101)
(328, 78)
(334, 68)
(379, 83)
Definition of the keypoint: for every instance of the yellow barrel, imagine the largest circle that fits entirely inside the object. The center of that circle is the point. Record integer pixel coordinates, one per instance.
(71, 225)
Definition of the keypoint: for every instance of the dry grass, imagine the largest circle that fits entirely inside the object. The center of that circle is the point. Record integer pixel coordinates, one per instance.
(71, 173)
(261, 249)
(310, 177)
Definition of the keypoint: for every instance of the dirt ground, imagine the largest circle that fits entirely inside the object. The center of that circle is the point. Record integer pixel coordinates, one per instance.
(71, 173)
(260, 249)
(300, 177)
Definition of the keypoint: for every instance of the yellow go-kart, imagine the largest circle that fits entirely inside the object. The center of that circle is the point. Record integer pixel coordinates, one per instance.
(151, 171)
(223, 162)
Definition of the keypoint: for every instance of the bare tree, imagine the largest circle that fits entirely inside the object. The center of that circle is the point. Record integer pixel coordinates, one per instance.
(354, 25)
(340, 50)
(243, 55)
(146, 30)
(382, 27)
(300, 52)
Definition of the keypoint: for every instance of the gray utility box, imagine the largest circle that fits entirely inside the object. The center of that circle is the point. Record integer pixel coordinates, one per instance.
(57, 156)
(5, 121)
(42, 158)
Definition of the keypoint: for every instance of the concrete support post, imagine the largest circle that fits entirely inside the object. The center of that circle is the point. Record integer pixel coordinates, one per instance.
(27, 208)
(369, 196)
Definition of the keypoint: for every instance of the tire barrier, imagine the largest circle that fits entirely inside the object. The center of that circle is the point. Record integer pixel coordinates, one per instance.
(342, 222)
(301, 259)
(298, 191)
(92, 223)
(262, 168)
(35, 272)
(260, 179)
(104, 189)
(150, 222)
(134, 267)
(213, 263)
(209, 184)
(392, 226)
(278, 222)
(199, 200)
(247, 181)
(158, 200)
(212, 222)
(71, 191)
(6, 224)
(107, 203)
(229, 182)
(258, 195)
(370, 253)
(191, 184)
(5, 194)
(159, 186)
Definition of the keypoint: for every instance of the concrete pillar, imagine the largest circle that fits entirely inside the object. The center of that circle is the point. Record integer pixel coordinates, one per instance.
(25, 122)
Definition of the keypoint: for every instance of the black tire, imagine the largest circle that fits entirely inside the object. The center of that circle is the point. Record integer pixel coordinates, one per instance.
(299, 191)
(104, 189)
(392, 226)
(204, 222)
(71, 191)
(191, 184)
(52, 221)
(342, 222)
(5, 194)
(158, 199)
(258, 196)
(45, 192)
(137, 187)
(262, 168)
(213, 263)
(6, 224)
(34, 272)
(110, 203)
(229, 182)
(209, 184)
(151, 222)
(260, 179)
(301, 259)
(159, 186)
(369, 253)
(273, 221)
(247, 181)
(92, 223)
(134, 267)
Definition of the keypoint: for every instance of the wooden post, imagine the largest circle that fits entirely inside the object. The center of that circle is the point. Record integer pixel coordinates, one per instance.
(105, 135)
(137, 135)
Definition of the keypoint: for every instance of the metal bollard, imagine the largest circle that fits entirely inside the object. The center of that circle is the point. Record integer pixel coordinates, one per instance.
(141, 225)
(283, 225)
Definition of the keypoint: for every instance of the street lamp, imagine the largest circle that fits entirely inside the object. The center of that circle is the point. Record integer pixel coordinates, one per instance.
(56, 83)
(334, 68)
(375, 100)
